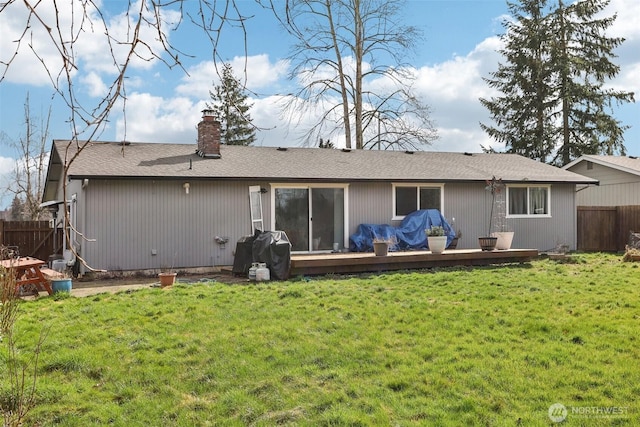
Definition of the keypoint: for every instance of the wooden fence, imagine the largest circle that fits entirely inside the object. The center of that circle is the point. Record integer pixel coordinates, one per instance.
(33, 238)
(606, 228)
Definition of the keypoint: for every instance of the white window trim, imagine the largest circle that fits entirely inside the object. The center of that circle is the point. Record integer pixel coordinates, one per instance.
(394, 185)
(345, 187)
(529, 186)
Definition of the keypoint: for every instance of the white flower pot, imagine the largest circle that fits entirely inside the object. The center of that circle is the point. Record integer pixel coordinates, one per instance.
(437, 244)
(504, 239)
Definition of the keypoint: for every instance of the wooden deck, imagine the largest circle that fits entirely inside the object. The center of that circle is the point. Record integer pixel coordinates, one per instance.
(361, 262)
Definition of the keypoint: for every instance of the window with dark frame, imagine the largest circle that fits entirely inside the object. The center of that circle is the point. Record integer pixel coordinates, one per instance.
(411, 198)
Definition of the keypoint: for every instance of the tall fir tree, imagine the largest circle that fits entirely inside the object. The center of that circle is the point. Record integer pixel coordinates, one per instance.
(229, 104)
(16, 211)
(583, 55)
(554, 106)
(524, 116)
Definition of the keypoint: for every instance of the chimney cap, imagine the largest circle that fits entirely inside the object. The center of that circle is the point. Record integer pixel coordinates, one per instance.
(208, 112)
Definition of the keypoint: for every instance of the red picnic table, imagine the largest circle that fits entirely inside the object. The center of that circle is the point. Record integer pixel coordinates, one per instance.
(29, 276)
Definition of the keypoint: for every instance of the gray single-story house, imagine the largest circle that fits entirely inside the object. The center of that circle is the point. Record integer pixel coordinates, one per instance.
(619, 178)
(141, 206)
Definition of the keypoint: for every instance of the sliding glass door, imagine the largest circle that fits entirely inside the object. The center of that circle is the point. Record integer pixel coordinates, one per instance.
(292, 216)
(313, 217)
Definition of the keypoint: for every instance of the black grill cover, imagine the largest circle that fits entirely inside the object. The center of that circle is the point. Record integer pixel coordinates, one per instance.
(274, 249)
(243, 256)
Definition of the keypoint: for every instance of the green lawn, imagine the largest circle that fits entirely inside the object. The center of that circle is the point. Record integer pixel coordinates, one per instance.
(489, 346)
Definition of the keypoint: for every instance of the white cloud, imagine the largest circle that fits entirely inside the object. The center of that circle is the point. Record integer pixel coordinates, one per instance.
(95, 85)
(460, 79)
(627, 23)
(452, 89)
(628, 79)
(260, 74)
(7, 164)
(13, 20)
(288, 127)
(91, 49)
(463, 140)
(155, 119)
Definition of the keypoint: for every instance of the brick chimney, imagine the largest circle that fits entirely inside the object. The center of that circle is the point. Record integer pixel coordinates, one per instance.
(209, 135)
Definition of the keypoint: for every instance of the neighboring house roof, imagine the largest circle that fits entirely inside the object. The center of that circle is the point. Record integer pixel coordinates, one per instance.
(629, 164)
(111, 160)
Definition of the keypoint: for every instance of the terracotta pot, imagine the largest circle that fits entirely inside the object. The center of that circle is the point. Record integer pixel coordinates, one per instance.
(167, 279)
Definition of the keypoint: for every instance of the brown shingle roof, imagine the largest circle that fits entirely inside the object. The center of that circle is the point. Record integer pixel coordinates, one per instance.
(155, 160)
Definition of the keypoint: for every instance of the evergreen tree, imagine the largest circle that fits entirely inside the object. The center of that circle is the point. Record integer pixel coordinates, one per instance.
(553, 105)
(229, 103)
(16, 211)
(523, 114)
(325, 144)
(583, 56)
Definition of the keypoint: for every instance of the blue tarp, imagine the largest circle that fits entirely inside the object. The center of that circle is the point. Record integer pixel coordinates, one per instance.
(410, 234)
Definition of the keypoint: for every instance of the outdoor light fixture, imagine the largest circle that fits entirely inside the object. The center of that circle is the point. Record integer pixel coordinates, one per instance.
(186, 187)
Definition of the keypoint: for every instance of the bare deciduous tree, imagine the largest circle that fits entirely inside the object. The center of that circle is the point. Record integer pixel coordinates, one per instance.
(27, 180)
(350, 60)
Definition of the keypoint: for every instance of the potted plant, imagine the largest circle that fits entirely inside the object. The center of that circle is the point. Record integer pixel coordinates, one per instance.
(454, 241)
(458, 235)
(167, 278)
(488, 243)
(504, 238)
(436, 239)
(381, 245)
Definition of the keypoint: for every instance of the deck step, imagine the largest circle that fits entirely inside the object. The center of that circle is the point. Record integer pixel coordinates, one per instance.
(359, 262)
(51, 274)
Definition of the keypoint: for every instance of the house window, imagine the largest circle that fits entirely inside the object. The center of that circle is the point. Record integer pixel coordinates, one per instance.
(528, 200)
(410, 197)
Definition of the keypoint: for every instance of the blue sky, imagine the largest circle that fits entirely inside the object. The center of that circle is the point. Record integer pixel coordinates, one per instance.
(458, 49)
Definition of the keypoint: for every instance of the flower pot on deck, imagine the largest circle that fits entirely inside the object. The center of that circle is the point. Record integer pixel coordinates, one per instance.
(487, 243)
(381, 248)
(454, 243)
(437, 244)
(504, 239)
